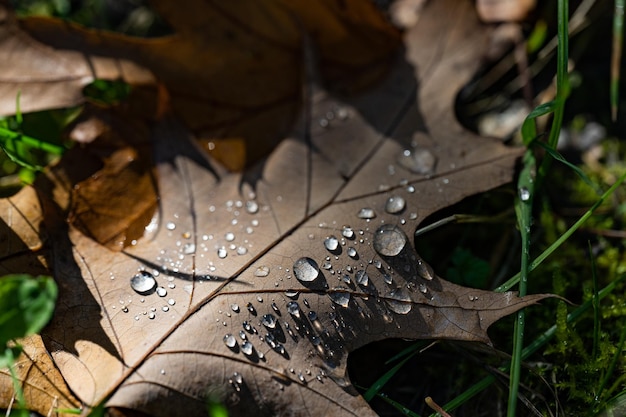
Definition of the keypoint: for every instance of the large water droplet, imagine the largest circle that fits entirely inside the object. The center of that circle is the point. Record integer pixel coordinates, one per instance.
(252, 207)
(362, 278)
(366, 213)
(269, 321)
(419, 161)
(399, 302)
(306, 269)
(294, 309)
(347, 232)
(229, 236)
(161, 292)
(352, 252)
(331, 243)
(524, 194)
(247, 348)
(262, 271)
(389, 240)
(340, 297)
(395, 204)
(143, 282)
(230, 341)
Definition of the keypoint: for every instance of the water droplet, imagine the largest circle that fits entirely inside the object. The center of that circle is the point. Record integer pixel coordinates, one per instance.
(312, 315)
(306, 269)
(424, 270)
(294, 309)
(165, 308)
(247, 348)
(241, 250)
(389, 240)
(399, 302)
(237, 378)
(347, 232)
(395, 204)
(352, 253)
(275, 308)
(229, 236)
(189, 248)
(161, 292)
(235, 307)
(269, 321)
(362, 278)
(247, 327)
(252, 207)
(340, 297)
(125, 309)
(524, 194)
(171, 301)
(143, 282)
(419, 161)
(331, 243)
(366, 213)
(387, 278)
(222, 253)
(251, 309)
(230, 341)
(262, 271)
(170, 226)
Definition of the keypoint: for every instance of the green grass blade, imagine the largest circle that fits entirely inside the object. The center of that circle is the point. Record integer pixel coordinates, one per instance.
(618, 354)
(382, 381)
(596, 305)
(542, 257)
(556, 155)
(616, 56)
(523, 210)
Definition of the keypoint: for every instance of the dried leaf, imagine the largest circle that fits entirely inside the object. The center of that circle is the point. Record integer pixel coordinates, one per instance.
(251, 288)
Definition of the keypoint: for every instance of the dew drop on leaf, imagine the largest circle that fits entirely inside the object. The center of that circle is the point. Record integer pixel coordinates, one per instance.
(294, 309)
(247, 348)
(252, 207)
(229, 340)
(331, 243)
(352, 253)
(161, 292)
(524, 194)
(143, 282)
(366, 213)
(347, 232)
(420, 161)
(362, 278)
(399, 302)
(306, 269)
(229, 236)
(189, 248)
(340, 298)
(269, 321)
(222, 253)
(262, 271)
(389, 240)
(235, 307)
(395, 204)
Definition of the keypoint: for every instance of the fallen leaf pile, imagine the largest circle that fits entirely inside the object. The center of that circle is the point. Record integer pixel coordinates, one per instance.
(240, 225)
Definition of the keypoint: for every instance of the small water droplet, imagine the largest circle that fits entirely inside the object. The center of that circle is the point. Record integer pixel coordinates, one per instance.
(247, 327)
(418, 161)
(389, 240)
(306, 269)
(247, 348)
(229, 236)
(229, 340)
(235, 307)
(312, 315)
(347, 232)
(171, 301)
(161, 292)
(241, 250)
(395, 204)
(143, 282)
(237, 378)
(222, 253)
(524, 194)
(125, 309)
(399, 302)
(387, 278)
(294, 309)
(262, 271)
(269, 321)
(151, 315)
(189, 248)
(331, 243)
(352, 253)
(362, 278)
(251, 308)
(165, 308)
(170, 226)
(275, 308)
(340, 297)
(366, 213)
(252, 207)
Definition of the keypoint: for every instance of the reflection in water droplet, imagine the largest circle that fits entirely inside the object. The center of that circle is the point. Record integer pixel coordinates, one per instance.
(161, 292)
(399, 302)
(331, 243)
(222, 253)
(389, 240)
(294, 309)
(366, 213)
(247, 348)
(340, 297)
(269, 321)
(230, 341)
(395, 204)
(362, 278)
(143, 282)
(352, 252)
(306, 269)
(262, 271)
(419, 161)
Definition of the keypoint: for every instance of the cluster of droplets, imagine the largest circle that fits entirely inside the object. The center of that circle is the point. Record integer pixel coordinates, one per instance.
(334, 115)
